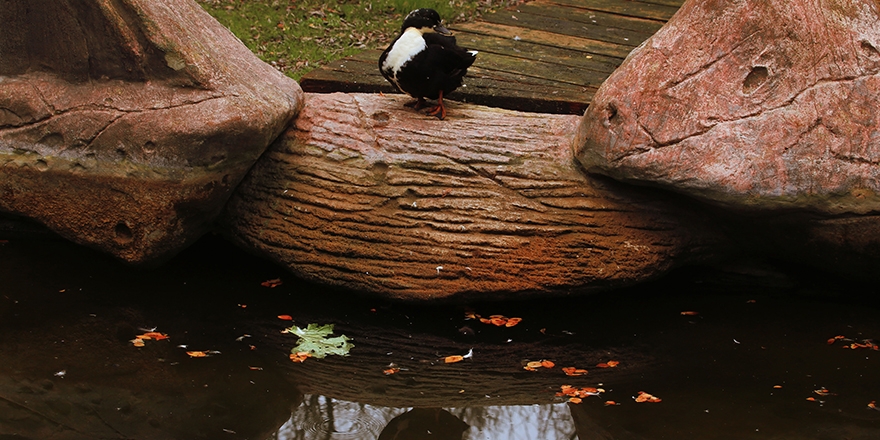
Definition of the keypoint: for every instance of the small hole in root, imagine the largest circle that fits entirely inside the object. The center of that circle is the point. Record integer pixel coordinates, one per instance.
(123, 233)
(755, 79)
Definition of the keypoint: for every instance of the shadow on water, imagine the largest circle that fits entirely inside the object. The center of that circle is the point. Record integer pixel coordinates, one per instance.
(744, 366)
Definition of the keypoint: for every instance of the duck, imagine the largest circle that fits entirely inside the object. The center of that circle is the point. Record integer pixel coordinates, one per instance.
(425, 61)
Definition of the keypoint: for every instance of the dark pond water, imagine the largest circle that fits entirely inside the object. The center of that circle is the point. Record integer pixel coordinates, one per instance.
(747, 366)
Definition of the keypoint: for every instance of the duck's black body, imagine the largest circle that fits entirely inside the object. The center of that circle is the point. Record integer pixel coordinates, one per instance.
(424, 61)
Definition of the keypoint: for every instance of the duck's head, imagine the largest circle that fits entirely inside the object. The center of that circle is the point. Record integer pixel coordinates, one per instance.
(425, 20)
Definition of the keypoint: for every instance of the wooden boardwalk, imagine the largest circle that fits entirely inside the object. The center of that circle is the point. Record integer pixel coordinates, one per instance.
(543, 56)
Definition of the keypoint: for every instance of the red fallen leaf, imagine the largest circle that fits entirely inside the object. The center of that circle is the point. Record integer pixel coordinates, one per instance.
(690, 313)
(645, 397)
(271, 283)
(572, 371)
(811, 399)
(300, 356)
(285, 317)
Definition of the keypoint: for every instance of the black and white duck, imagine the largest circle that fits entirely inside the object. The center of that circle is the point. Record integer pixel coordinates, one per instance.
(424, 61)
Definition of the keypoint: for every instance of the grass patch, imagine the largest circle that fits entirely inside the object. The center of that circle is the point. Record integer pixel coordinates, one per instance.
(298, 36)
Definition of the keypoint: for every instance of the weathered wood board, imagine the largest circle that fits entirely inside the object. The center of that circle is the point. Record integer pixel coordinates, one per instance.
(546, 56)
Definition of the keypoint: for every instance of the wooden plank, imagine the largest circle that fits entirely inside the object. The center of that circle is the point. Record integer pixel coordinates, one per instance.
(529, 51)
(593, 17)
(624, 7)
(673, 3)
(509, 90)
(538, 36)
(538, 69)
(564, 27)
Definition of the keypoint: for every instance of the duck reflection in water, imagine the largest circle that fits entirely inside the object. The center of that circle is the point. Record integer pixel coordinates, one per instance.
(424, 423)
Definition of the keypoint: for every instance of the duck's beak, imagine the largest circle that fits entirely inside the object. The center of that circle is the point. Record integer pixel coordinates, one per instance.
(440, 29)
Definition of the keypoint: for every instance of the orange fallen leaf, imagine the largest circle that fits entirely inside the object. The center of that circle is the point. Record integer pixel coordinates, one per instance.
(645, 397)
(547, 364)
(271, 283)
(498, 321)
(197, 354)
(582, 393)
(575, 399)
(534, 364)
(512, 322)
(613, 364)
(811, 399)
(572, 371)
(300, 356)
(690, 313)
(823, 392)
(285, 317)
(137, 342)
(256, 368)
(453, 359)
(836, 338)
(154, 335)
(390, 371)
(777, 386)
(873, 405)
(610, 403)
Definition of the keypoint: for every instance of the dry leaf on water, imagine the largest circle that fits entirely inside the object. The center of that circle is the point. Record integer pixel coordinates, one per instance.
(572, 371)
(271, 283)
(138, 340)
(609, 364)
(645, 397)
(496, 320)
(300, 356)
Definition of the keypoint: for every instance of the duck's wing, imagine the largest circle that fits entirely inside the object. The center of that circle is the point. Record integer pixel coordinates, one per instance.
(443, 51)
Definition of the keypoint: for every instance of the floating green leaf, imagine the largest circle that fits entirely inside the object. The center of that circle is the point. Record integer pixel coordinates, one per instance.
(315, 340)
